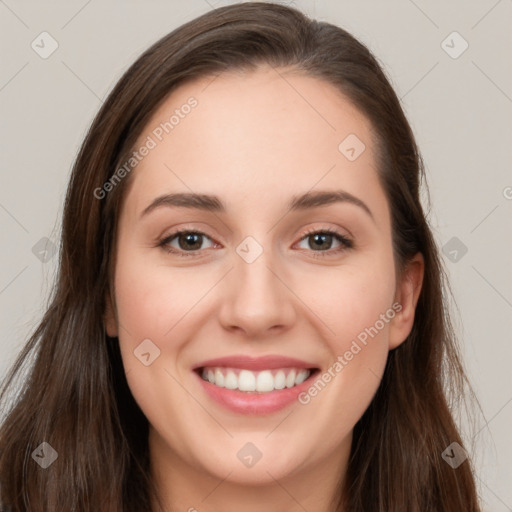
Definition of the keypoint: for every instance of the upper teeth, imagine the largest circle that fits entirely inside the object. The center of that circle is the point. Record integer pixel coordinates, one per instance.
(246, 380)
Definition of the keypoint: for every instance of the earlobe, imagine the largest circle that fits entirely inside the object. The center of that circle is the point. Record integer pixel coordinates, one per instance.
(407, 295)
(109, 318)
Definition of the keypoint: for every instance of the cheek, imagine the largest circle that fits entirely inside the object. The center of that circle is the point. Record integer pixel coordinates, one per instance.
(350, 298)
(164, 305)
(148, 306)
(156, 304)
(357, 308)
(152, 299)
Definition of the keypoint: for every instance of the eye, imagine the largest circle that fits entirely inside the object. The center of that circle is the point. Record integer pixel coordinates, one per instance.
(321, 241)
(189, 242)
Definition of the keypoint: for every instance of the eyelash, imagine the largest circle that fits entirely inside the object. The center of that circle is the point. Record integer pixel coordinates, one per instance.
(345, 243)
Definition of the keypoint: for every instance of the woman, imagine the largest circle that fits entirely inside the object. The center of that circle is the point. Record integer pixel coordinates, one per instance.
(249, 309)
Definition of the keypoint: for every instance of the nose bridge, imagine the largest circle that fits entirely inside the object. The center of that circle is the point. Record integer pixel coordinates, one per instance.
(252, 271)
(257, 299)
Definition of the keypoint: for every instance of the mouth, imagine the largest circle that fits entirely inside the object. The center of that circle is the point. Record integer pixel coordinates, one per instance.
(255, 386)
(257, 382)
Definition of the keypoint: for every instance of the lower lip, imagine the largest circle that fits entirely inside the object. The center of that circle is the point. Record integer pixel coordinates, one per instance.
(252, 402)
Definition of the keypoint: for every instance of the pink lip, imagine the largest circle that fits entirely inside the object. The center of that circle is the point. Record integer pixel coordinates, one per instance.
(254, 403)
(255, 363)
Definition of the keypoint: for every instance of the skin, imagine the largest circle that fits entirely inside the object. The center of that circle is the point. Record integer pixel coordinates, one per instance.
(255, 140)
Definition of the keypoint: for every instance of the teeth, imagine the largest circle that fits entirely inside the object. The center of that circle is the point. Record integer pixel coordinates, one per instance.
(262, 382)
(219, 378)
(246, 381)
(290, 379)
(279, 380)
(231, 381)
(300, 378)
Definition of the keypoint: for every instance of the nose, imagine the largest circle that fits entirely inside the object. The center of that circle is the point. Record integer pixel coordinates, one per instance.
(257, 299)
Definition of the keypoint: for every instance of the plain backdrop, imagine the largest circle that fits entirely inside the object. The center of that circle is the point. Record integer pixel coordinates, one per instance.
(458, 100)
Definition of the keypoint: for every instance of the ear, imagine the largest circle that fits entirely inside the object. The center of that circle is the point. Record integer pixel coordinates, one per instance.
(109, 318)
(407, 294)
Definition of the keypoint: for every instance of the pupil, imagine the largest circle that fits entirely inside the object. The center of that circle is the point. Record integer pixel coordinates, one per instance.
(322, 236)
(189, 241)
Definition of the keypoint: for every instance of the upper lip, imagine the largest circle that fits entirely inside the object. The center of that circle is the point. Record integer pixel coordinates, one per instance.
(245, 362)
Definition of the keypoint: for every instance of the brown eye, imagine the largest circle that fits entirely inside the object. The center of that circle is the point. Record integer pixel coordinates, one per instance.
(190, 241)
(187, 242)
(321, 241)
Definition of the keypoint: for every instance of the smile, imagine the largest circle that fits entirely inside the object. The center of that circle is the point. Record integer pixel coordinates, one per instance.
(264, 381)
(249, 385)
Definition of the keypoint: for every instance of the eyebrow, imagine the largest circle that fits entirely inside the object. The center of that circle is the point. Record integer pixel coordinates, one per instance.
(212, 203)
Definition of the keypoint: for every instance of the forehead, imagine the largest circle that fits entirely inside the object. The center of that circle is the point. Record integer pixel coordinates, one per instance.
(248, 132)
(278, 105)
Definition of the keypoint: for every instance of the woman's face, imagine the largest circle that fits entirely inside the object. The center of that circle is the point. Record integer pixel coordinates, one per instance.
(257, 296)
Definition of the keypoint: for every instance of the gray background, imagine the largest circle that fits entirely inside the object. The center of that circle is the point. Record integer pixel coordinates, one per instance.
(460, 110)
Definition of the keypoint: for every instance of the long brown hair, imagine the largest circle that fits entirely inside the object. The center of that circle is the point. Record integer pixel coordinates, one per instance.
(75, 395)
